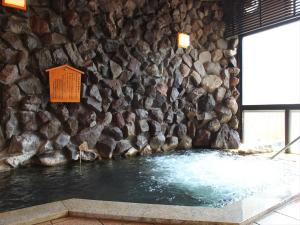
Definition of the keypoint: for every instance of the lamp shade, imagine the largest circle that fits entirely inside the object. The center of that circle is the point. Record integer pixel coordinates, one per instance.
(18, 4)
(183, 40)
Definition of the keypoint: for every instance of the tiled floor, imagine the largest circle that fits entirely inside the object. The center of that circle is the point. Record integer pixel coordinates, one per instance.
(287, 215)
(85, 221)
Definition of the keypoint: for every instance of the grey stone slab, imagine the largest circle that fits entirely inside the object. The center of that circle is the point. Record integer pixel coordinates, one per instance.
(34, 215)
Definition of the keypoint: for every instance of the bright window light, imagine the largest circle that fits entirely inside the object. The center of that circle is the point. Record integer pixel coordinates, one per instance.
(271, 66)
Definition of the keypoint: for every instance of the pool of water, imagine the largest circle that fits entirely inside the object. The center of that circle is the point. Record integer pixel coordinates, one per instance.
(193, 178)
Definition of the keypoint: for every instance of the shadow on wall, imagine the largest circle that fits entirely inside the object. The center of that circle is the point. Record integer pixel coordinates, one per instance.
(140, 93)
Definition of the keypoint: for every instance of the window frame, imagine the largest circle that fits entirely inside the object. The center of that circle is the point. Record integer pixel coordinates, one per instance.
(285, 107)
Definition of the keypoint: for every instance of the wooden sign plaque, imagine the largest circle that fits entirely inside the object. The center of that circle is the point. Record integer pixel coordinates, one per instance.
(17, 4)
(65, 84)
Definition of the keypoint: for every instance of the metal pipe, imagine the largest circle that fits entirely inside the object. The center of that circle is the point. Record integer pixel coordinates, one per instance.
(285, 147)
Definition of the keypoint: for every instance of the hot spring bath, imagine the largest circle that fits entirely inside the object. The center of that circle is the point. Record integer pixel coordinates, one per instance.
(196, 178)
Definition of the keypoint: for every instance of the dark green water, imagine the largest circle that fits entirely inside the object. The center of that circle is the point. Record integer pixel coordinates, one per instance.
(205, 178)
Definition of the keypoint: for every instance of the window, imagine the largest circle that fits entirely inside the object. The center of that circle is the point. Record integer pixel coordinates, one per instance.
(271, 87)
(295, 130)
(264, 129)
(271, 68)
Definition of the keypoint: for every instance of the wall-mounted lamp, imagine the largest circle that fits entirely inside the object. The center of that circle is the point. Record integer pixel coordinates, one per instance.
(183, 40)
(18, 4)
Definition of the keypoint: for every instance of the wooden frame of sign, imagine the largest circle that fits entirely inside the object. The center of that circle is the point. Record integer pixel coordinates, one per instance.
(65, 84)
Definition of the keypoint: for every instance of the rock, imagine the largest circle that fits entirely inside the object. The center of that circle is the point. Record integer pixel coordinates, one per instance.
(141, 141)
(181, 130)
(196, 78)
(155, 127)
(53, 159)
(31, 103)
(152, 70)
(89, 155)
(226, 138)
(72, 126)
(31, 86)
(198, 66)
(60, 57)
(119, 120)
(12, 96)
(91, 135)
(157, 142)
(94, 104)
(162, 89)
(115, 68)
(51, 129)
(146, 151)
(11, 126)
(2, 138)
(187, 60)
(220, 93)
(202, 139)
(222, 44)
(196, 94)
(44, 116)
(142, 126)
(122, 146)
(179, 117)
(217, 55)
(211, 82)
(72, 151)
(78, 34)
(62, 140)
(88, 119)
(19, 160)
(171, 144)
(232, 104)
(39, 25)
(71, 18)
(204, 57)
(46, 147)
(131, 152)
(141, 113)
(228, 53)
(74, 54)
(54, 39)
(28, 142)
(129, 130)
(185, 70)
(106, 147)
(213, 68)
(28, 120)
(224, 114)
(44, 59)
(174, 95)
(234, 122)
(214, 125)
(113, 132)
(156, 114)
(185, 143)
(176, 61)
(9, 74)
(94, 92)
(234, 81)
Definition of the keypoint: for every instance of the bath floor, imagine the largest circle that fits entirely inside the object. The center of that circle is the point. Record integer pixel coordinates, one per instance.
(287, 215)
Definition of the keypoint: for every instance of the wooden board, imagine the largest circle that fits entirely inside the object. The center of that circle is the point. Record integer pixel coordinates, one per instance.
(65, 85)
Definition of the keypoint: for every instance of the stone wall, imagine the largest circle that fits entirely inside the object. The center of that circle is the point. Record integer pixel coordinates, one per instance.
(140, 93)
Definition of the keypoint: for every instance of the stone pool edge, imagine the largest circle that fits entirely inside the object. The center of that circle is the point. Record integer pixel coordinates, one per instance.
(239, 213)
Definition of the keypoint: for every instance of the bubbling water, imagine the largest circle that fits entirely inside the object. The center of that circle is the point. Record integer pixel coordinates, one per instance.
(216, 175)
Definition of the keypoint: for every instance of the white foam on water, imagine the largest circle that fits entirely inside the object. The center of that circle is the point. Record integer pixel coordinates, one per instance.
(216, 176)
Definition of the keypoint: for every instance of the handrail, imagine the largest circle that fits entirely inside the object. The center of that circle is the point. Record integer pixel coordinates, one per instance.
(285, 147)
